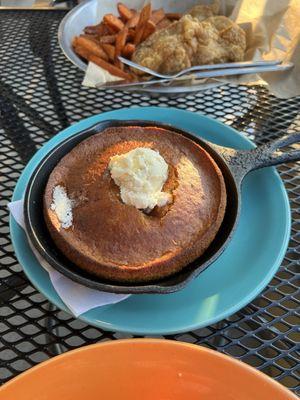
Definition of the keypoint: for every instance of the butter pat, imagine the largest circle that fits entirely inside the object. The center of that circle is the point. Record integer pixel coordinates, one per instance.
(141, 174)
(62, 206)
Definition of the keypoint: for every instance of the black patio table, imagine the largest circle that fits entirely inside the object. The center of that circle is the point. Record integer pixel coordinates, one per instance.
(41, 94)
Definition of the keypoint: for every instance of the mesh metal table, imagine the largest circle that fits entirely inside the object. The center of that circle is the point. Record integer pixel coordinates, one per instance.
(40, 94)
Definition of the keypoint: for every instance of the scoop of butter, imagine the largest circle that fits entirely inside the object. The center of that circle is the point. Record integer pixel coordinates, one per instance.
(62, 206)
(141, 174)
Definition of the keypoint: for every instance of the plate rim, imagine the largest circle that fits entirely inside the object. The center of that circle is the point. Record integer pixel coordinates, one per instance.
(171, 344)
(64, 46)
(140, 330)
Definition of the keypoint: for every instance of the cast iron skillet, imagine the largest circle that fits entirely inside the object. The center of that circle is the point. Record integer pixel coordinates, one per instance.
(234, 164)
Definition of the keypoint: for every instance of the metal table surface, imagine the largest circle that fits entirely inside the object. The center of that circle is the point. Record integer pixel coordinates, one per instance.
(40, 94)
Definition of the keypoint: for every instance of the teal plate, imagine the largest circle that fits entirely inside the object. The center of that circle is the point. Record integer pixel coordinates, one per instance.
(234, 280)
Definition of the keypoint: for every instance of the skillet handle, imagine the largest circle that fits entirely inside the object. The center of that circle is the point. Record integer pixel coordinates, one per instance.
(243, 161)
(269, 154)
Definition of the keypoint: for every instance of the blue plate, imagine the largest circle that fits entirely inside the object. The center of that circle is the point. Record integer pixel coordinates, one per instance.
(235, 279)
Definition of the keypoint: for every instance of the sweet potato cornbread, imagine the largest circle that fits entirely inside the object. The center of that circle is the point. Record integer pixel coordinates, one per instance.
(120, 242)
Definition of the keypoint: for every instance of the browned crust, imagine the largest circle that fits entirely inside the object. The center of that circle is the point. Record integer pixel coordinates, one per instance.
(161, 267)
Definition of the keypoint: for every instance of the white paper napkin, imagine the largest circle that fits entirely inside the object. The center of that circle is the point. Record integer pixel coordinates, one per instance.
(78, 298)
(96, 75)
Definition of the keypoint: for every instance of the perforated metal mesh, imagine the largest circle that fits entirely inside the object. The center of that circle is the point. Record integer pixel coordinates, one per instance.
(40, 94)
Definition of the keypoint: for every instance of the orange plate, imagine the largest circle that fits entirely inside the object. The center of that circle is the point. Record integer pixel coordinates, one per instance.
(143, 369)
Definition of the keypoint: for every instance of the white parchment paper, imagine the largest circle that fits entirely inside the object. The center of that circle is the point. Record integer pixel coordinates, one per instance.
(78, 298)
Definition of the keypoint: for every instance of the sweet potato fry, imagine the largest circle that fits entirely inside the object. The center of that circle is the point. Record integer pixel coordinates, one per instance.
(148, 30)
(90, 30)
(173, 16)
(112, 69)
(103, 29)
(145, 14)
(144, 17)
(138, 35)
(130, 35)
(132, 23)
(125, 13)
(109, 50)
(113, 22)
(93, 38)
(119, 64)
(99, 29)
(164, 23)
(92, 47)
(128, 50)
(81, 51)
(157, 16)
(74, 41)
(120, 42)
(110, 39)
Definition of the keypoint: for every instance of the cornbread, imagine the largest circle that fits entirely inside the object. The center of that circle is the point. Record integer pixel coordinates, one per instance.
(119, 242)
